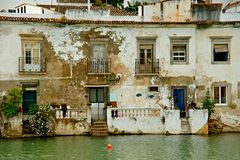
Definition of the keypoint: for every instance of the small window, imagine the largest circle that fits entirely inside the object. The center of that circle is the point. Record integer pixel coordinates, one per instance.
(220, 53)
(153, 89)
(24, 9)
(179, 50)
(221, 49)
(179, 53)
(21, 9)
(220, 94)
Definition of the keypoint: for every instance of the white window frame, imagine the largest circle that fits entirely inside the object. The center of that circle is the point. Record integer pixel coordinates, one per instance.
(220, 94)
(35, 64)
(179, 52)
(179, 41)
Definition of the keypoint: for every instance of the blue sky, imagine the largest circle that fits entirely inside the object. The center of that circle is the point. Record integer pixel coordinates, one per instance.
(10, 4)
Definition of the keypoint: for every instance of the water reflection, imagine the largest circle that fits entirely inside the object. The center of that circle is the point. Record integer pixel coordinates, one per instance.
(149, 147)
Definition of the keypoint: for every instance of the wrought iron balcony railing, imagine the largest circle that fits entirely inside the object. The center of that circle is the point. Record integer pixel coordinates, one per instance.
(143, 66)
(33, 65)
(99, 66)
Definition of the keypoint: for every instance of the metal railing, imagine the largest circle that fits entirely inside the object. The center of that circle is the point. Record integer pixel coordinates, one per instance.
(32, 64)
(142, 66)
(99, 66)
(72, 113)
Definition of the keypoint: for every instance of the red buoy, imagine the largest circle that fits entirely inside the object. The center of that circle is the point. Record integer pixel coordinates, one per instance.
(109, 147)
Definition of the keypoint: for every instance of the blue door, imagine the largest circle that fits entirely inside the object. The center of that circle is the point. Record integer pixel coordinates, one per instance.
(179, 98)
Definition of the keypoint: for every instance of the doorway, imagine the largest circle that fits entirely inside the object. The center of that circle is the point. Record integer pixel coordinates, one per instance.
(179, 98)
(29, 98)
(97, 98)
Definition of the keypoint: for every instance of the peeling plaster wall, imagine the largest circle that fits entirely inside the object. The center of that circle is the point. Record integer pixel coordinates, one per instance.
(67, 48)
(71, 127)
(197, 119)
(208, 73)
(168, 122)
(168, 11)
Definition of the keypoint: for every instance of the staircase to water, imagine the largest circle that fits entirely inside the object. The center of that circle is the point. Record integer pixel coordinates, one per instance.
(99, 128)
(185, 126)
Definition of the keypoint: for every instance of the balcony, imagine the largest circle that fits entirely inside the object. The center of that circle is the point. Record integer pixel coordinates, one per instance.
(144, 67)
(32, 65)
(99, 66)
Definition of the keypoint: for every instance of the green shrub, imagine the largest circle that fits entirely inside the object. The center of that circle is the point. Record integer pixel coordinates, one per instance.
(208, 104)
(11, 102)
(33, 108)
(10, 110)
(42, 121)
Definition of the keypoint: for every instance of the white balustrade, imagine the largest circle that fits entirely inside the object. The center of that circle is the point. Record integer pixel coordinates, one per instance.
(135, 112)
(71, 114)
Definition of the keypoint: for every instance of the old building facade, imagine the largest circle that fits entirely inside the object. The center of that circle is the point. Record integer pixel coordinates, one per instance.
(124, 64)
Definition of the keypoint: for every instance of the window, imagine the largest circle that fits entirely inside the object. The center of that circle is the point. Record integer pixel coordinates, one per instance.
(220, 52)
(179, 50)
(24, 9)
(31, 59)
(153, 88)
(179, 53)
(99, 62)
(220, 49)
(220, 94)
(146, 62)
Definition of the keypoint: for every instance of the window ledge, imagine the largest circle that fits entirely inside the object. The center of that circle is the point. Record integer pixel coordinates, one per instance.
(146, 74)
(32, 73)
(221, 105)
(220, 62)
(99, 73)
(179, 63)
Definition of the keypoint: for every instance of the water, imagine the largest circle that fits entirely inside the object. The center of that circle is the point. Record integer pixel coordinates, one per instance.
(146, 147)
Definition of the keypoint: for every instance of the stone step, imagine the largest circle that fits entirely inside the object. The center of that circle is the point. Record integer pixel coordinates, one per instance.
(100, 134)
(100, 123)
(185, 133)
(99, 128)
(185, 127)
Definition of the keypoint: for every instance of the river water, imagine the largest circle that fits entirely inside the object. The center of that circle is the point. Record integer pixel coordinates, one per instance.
(144, 147)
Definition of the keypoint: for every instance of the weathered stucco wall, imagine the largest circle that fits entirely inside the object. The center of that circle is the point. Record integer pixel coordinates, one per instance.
(71, 127)
(198, 120)
(11, 127)
(155, 121)
(67, 49)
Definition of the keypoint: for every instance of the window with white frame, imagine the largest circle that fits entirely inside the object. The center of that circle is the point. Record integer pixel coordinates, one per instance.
(31, 52)
(179, 50)
(179, 53)
(220, 94)
(221, 49)
(31, 59)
